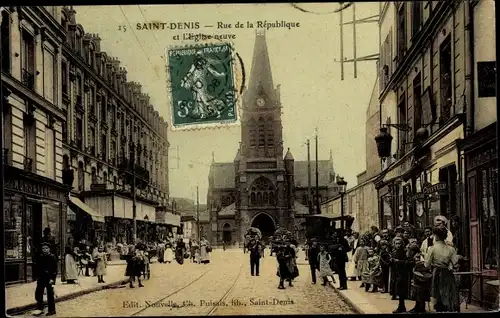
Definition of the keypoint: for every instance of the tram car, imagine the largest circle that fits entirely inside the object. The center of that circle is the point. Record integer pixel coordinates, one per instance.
(321, 227)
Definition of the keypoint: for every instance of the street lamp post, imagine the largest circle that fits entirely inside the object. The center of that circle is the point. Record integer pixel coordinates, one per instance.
(342, 189)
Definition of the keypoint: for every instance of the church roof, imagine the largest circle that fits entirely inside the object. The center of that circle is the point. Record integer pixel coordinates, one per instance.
(228, 210)
(288, 155)
(325, 168)
(301, 209)
(223, 175)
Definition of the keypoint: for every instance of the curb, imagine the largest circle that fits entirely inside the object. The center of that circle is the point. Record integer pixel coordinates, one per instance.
(21, 309)
(357, 310)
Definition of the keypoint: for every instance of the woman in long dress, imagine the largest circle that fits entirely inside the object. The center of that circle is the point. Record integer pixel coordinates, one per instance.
(168, 256)
(70, 259)
(372, 272)
(443, 259)
(360, 258)
(161, 252)
(101, 264)
(204, 251)
(351, 272)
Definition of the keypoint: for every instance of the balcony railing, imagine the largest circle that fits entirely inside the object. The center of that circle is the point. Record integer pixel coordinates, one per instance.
(28, 78)
(28, 164)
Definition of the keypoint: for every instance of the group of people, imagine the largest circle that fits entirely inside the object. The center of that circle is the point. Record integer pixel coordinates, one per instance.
(83, 255)
(407, 265)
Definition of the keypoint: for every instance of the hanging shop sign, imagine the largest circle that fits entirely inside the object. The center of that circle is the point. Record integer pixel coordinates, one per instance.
(427, 190)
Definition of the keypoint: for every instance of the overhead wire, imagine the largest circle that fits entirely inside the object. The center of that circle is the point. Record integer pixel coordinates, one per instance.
(343, 7)
(139, 42)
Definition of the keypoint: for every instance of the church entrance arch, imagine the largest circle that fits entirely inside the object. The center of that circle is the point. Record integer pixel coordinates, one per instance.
(226, 233)
(265, 223)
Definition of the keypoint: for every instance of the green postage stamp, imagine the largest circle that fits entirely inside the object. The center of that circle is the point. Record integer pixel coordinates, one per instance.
(201, 86)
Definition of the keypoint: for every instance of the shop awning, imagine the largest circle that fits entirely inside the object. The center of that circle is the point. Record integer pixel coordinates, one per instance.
(96, 217)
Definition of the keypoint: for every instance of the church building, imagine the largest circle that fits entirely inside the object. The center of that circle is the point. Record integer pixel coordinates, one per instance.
(262, 187)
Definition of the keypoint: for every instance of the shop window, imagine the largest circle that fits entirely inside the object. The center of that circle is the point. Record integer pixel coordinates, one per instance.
(445, 73)
(447, 200)
(12, 216)
(488, 216)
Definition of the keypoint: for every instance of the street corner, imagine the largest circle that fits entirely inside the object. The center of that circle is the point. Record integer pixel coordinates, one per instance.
(202, 85)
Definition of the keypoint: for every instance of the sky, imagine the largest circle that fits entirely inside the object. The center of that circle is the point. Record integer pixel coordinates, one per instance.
(303, 61)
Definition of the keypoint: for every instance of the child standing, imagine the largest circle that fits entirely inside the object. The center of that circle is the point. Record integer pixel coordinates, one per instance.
(372, 272)
(324, 265)
(169, 254)
(46, 280)
(360, 258)
(101, 265)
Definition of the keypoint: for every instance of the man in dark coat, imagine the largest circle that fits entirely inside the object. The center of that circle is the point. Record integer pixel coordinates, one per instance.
(340, 259)
(255, 249)
(313, 251)
(46, 279)
(402, 265)
(49, 239)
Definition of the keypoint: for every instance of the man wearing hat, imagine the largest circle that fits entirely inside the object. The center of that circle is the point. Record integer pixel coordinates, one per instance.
(46, 279)
(441, 220)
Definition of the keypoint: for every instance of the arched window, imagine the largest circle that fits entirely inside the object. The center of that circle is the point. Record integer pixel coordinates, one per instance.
(94, 176)
(270, 132)
(262, 192)
(262, 132)
(81, 176)
(253, 198)
(253, 133)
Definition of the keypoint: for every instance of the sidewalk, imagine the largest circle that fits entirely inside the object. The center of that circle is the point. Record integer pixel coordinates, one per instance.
(22, 297)
(378, 303)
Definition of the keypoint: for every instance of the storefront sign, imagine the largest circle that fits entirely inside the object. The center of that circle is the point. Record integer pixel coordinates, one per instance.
(427, 190)
(33, 188)
(481, 158)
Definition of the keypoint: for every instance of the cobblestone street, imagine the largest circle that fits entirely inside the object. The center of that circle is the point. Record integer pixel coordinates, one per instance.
(223, 287)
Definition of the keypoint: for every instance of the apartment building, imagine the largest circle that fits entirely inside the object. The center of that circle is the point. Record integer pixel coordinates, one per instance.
(75, 135)
(437, 71)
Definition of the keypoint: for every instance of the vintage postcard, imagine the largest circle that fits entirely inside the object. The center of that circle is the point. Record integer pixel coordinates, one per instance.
(249, 159)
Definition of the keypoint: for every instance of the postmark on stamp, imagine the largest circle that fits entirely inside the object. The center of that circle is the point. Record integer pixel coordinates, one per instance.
(202, 86)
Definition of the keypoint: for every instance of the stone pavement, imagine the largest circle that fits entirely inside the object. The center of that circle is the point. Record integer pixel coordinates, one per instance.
(21, 297)
(378, 303)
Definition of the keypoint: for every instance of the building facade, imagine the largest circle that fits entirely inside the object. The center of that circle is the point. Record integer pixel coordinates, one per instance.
(437, 88)
(112, 133)
(262, 187)
(69, 121)
(32, 121)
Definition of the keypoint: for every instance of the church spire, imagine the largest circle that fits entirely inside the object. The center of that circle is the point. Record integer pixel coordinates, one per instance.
(261, 76)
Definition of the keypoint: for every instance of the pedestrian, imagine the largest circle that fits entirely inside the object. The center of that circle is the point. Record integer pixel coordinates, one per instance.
(427, 242)
(71, 258)
(168, 255)
(441, 220)
(47, 273)
(205, 250)
(443, 259)
(101, 264)
(87, 260)
(161, 252)
(385, 263)
(283, 254)
(312, 253)
(360, 257)
(351, 266)
(372, 272)
(255, 250)
(401, 272)
(325, 269)
(48, 238)
(421, 286)
(341, 258)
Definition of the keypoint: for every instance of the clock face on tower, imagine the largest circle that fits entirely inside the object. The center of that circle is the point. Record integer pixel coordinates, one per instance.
(260, 102)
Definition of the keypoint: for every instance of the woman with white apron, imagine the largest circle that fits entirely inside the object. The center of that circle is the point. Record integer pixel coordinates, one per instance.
(351, 266)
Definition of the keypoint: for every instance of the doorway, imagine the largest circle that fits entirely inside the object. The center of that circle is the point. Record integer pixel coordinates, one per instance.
(33, 237)
(226, 233)
(265, 223)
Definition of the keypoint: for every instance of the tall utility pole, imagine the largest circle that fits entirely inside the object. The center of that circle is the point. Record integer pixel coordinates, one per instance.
(355, 59)
(3, 99)
(309, 199)
(198, 213)
(317, 176)
(134, 207)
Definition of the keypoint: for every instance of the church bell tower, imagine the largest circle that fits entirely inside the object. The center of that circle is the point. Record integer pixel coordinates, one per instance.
(262, 180)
